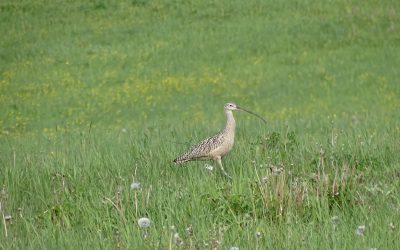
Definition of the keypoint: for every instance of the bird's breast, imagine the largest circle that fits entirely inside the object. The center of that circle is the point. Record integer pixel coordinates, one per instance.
(224, 147)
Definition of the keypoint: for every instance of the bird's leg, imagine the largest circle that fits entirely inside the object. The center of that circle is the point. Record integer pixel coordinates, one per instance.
(222, 168)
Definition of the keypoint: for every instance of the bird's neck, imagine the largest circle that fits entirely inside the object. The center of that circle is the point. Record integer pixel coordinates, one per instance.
(230, 121)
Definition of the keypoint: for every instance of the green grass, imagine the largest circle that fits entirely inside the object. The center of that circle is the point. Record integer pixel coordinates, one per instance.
(95, 93)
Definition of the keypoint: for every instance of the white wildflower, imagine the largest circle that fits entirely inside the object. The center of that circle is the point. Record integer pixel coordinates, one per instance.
(178, 240)
(189, 230)
(276, 170)
(234, 248)
(209, 167)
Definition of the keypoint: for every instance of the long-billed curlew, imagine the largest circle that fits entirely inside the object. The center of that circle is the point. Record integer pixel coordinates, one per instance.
(217, 146)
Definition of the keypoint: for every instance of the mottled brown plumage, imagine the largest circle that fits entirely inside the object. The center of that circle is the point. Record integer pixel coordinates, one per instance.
(217, 146)
(202, 150)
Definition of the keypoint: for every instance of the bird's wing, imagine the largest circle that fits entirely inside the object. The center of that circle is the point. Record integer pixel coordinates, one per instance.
(208, 144)
(203, 149)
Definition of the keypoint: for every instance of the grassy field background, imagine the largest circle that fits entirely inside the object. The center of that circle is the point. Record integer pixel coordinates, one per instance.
(96, 94)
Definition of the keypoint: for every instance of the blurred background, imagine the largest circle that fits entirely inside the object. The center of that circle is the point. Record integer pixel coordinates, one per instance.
(125, 64)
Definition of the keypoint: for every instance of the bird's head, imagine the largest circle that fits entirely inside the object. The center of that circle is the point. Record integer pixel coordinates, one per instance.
(230, 106)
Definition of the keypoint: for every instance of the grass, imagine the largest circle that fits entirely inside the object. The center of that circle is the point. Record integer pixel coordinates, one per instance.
(94, 95)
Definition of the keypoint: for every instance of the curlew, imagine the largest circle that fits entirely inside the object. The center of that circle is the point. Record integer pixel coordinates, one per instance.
(217, 146)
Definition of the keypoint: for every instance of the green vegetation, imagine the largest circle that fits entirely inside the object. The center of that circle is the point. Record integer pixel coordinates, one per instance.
(97, 94)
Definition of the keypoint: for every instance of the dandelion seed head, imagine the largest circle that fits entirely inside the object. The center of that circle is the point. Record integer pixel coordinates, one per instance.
(144, 222)
(7, 217)
(234, 248)
(258, 235)
(135, 185)
(360, 230)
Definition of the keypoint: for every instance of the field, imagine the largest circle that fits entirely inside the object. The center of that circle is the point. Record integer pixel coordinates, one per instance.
(98, 97)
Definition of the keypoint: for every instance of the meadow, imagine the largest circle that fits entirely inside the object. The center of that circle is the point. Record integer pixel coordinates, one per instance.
(98, 97)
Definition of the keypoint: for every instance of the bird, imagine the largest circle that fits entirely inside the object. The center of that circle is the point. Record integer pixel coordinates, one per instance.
(217, 146)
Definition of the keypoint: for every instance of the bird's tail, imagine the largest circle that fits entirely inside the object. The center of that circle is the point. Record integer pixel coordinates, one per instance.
(181, 159)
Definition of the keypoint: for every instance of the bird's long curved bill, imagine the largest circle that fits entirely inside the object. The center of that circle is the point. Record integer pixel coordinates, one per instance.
(245, 110)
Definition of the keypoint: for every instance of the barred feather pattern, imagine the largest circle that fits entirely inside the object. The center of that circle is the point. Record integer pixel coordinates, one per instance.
(202, 150)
